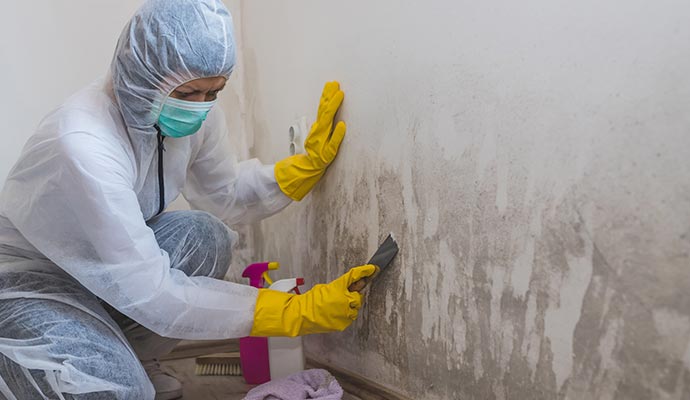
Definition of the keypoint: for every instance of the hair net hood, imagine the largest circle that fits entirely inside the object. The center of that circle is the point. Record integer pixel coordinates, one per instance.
(166, 44)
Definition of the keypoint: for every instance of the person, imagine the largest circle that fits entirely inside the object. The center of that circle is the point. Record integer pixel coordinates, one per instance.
(97, 280)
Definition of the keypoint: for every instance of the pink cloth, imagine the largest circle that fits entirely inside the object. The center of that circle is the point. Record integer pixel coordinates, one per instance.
(309, 384)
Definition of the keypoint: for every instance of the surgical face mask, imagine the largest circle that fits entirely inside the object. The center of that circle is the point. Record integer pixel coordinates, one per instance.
(181, 118)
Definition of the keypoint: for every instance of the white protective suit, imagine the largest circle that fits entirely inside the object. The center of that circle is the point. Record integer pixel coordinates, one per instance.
(88, 180)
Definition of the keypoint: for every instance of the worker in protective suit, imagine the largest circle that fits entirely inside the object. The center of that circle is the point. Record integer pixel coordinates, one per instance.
(96, 280)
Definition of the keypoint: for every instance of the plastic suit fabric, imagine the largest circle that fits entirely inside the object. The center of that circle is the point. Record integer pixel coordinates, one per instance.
(79, 347)
(78, 198)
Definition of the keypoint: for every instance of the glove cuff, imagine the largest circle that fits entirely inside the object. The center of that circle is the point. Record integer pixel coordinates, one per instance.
(297, 175)
(271, 312)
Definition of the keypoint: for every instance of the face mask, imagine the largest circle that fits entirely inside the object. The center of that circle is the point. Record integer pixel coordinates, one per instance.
(181, 118)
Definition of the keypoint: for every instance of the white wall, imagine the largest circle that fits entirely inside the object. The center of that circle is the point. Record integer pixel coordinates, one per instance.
(531, 158)
(49, 50)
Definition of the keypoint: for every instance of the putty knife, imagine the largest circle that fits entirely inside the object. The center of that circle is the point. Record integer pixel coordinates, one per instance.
(383, 256)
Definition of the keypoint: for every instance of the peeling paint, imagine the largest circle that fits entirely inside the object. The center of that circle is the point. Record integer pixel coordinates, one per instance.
(521, 273)
(563, 314)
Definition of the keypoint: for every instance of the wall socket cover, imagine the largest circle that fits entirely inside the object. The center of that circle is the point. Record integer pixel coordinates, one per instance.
(297, 133)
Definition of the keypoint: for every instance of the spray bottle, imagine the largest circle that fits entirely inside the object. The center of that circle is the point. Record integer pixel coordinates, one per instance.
(254, 350)
(285, 354)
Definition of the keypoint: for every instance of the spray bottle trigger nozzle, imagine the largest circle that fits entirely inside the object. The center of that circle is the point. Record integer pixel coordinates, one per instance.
(267, 278)
(298, 282)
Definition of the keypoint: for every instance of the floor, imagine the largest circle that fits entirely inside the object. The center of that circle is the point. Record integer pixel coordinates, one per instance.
(212, 387)
(206, 387)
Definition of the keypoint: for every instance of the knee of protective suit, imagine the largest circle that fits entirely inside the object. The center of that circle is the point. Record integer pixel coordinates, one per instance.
(217, 240)
(198, 243)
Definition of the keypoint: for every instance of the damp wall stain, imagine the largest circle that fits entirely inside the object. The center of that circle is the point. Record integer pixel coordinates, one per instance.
(487, 304)
(540, 197)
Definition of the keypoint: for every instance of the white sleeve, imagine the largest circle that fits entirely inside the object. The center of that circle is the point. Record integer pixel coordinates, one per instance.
(237, 193)
(78, 208)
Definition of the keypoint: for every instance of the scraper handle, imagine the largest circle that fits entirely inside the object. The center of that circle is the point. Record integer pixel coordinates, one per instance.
(359, 285)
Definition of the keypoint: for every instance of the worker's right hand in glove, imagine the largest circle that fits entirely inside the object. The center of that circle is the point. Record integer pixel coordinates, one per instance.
(325, 308)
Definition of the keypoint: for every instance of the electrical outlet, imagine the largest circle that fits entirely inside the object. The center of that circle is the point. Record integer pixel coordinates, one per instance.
(297, 133)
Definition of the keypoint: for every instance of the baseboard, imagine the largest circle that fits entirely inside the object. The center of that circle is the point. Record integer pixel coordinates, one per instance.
(356, 384)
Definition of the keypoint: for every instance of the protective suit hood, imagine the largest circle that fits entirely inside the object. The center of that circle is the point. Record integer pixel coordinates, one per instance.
(166, 44)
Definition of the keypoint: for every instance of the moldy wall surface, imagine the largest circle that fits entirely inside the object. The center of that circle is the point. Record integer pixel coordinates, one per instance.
(531, 159)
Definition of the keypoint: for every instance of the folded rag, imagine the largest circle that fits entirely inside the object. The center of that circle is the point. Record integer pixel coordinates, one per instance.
(309, 384)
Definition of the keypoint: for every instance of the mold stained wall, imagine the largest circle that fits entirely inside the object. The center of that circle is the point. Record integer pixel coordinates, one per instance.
(531, 158)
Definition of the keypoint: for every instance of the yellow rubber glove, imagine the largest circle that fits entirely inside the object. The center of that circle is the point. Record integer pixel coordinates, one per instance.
(297, 175)
(325, 308)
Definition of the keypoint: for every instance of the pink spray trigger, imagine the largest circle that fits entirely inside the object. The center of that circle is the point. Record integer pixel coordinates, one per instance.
(258, 273)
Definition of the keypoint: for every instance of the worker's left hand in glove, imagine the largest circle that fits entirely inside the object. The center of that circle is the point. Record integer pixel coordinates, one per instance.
(297, 175)
(324, 308)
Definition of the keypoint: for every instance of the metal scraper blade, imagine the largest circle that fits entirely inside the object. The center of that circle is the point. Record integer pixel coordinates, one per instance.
(385, 253)
(382, 258)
